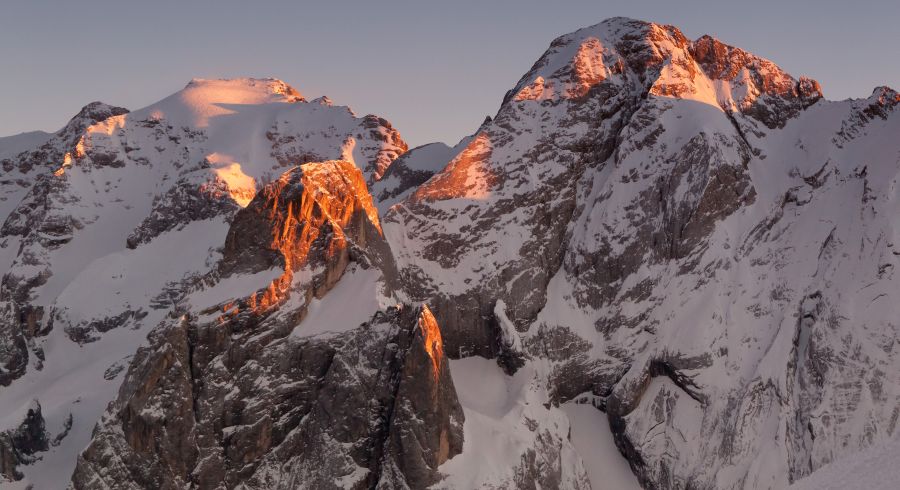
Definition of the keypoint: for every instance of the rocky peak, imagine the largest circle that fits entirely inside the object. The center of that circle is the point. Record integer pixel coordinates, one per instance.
(323, 100)
(310, 216)
(577, 61)
(642, 57)
(885, 96)
(98, 111)
(721, 61)
(306, 201)
(809, 89)
(88, 116)
(381, 131)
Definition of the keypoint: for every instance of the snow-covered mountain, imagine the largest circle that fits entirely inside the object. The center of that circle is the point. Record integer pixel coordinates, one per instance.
(663, 263)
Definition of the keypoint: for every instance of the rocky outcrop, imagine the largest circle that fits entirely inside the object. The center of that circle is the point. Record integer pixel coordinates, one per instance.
(183, 204)
(315, 214)
(415, 448)
(21, 445)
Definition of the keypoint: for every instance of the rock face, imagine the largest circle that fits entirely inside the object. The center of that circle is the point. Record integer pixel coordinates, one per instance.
(363, 409)
(248, 400)
(411, 170)
(21, 445)
(677, 233)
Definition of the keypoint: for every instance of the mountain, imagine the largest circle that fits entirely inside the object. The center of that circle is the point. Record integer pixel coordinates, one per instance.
(119, 215)
(663, 263)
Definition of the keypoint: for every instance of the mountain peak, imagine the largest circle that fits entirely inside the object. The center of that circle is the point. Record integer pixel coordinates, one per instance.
(323, 100)
(97, 111)
(722, 61)
(88, 115)
(202, 99)
(231, 87)
(660, 60)
(886, 95)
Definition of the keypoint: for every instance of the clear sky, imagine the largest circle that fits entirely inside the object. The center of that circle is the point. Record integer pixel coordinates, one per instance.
(433, 68)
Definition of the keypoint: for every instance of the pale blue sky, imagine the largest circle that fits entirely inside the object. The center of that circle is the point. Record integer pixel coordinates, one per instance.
(434, 69)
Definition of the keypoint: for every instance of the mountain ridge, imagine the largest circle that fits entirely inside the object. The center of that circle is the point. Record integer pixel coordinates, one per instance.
(675, 233)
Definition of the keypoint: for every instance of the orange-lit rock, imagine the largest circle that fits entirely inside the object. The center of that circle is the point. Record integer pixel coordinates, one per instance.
(307, 217)
(534, 91)
(434, 346)
(428, 418)
(468, 175)
(588, 69)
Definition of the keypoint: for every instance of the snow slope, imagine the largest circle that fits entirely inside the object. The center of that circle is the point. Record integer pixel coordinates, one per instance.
(590, 434)
(874, 468)
(506, 422)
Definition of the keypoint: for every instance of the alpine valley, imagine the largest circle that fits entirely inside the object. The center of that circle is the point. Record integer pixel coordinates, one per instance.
(663, 264)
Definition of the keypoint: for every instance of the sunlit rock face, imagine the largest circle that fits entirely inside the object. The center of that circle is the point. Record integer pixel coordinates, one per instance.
(239, 288)
(317, 214)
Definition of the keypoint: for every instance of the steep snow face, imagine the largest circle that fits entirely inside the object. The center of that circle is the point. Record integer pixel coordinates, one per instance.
(111, 221)
(686, 231)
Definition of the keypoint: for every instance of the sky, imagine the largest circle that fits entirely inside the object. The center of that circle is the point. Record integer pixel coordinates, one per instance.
(434, 69)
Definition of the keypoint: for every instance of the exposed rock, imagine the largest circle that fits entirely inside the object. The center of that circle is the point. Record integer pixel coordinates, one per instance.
(21, 445)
